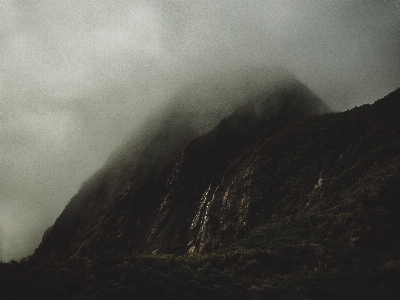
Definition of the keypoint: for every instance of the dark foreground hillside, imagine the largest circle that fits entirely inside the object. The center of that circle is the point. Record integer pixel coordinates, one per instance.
(297, 206)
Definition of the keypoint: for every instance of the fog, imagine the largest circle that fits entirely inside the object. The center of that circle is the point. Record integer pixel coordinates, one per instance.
(77, 77)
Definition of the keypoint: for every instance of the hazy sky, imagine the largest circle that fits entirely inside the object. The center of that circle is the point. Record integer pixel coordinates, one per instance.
(77, 76)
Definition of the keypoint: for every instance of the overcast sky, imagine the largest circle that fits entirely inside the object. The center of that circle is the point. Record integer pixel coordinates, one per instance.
(77, 76)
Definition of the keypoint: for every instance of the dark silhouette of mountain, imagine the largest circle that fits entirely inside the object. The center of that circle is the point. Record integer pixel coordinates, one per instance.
(152, 193)
(274, 201)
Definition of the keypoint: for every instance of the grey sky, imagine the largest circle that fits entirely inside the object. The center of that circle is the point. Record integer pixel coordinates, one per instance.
(77, 76)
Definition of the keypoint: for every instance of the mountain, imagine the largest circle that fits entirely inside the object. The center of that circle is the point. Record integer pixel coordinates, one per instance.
(154, 194)
(265, 196)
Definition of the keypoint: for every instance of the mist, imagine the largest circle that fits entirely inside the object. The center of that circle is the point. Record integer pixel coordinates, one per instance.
(78, 77)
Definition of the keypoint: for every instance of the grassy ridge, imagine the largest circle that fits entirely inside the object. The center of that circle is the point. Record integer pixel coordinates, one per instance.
(290, 273)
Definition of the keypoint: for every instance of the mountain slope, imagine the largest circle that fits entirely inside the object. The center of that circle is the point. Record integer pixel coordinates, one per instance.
(288, 205)
(149, 195)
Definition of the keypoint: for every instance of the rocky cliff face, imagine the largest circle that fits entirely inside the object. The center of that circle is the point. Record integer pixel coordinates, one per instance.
(176, 189)
(273, 168)
(274, 202)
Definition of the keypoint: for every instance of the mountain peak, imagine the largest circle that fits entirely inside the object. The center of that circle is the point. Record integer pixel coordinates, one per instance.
(271, 196)
(127, 199)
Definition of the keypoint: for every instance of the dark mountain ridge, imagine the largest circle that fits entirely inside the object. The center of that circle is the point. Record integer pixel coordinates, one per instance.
(275, 202)
(149, 192)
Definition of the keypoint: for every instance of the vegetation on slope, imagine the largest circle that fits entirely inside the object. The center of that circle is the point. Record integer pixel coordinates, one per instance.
(323, 223)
